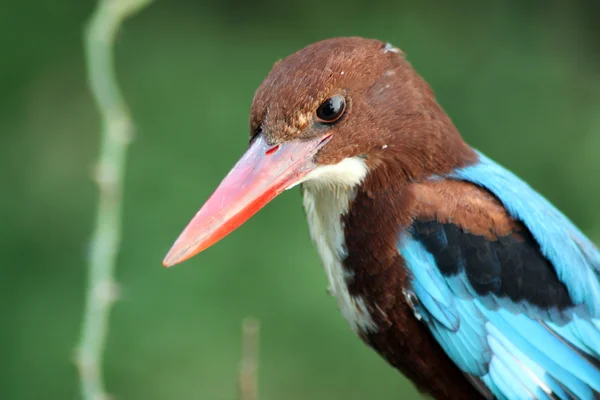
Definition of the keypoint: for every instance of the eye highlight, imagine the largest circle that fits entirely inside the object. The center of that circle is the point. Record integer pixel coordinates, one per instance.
(331, 110)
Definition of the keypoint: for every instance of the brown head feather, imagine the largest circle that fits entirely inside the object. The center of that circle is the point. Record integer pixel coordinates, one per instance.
(392, 118)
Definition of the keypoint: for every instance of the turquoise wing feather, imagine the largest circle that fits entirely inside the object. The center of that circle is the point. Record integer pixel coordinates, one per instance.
(519, 345)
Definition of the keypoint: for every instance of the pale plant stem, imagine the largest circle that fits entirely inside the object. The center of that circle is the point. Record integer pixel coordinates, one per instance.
(117, 132)
(248, 384)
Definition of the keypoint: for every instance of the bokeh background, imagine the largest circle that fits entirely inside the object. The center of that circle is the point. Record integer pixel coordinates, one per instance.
(521, 80)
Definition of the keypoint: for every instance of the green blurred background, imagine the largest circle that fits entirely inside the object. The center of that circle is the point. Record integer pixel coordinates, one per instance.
(521, 80)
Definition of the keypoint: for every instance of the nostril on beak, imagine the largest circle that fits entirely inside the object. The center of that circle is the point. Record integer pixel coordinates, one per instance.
(272, 150)
(326, 138)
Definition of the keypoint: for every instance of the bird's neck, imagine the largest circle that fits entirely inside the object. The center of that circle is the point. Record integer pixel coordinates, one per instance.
(326, 206)
(355, 211)
(355, 228)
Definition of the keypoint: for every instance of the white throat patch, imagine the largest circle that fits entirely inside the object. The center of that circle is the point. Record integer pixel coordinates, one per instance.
(328, 191)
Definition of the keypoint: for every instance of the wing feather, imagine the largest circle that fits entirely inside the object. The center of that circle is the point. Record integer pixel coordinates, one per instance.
(515, 305)
(574, 256)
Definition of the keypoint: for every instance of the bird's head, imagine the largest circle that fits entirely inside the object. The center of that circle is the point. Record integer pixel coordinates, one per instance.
(329, 115)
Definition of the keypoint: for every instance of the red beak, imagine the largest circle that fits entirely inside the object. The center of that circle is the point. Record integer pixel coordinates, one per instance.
(262, 173)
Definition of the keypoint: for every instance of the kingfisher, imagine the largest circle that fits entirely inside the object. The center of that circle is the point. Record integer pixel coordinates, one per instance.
(452, 268)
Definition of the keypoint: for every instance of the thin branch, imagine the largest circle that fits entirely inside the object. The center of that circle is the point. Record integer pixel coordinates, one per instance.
(249, 364)
(117, 132)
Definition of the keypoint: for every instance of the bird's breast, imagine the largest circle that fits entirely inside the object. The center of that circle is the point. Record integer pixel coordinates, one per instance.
(325, 207)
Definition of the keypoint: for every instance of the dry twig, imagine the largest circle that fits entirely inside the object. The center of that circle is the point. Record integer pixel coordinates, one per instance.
(249, 364)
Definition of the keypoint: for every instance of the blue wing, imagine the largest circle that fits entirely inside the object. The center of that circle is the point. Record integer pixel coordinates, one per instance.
(520, 313)
(576, 259)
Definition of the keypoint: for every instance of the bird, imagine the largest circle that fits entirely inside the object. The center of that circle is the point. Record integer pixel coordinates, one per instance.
(457, 272)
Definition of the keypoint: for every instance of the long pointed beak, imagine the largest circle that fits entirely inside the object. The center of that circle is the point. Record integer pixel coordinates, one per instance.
(262, 173)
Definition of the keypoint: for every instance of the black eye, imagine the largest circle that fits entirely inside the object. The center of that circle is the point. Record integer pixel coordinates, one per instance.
(331, 110)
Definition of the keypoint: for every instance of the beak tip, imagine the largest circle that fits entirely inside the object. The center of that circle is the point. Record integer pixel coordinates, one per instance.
(168, 262)
(173, 257)
(179, 254)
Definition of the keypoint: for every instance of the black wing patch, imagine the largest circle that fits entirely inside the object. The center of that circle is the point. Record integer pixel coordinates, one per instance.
(511, 266)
